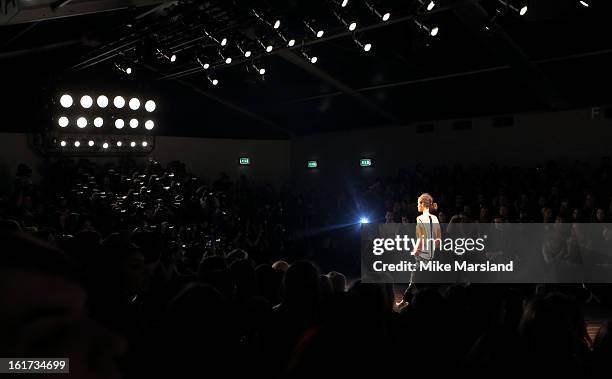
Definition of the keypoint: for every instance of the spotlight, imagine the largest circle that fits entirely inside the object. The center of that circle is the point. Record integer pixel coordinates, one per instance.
(364, 220)
(267, 46)
(213, 81)
(63, 143)
(98, 122)
(205, 65)
(134, 104)
(383, 16)
(245, 52)
(149, 123)
(520, 11)
(313, 59)
(63, 121)
(119, 144)
(132, 144)
(77, 144)
(275, 25)
(90, 143)
(144, 143)
(289, 42)
(365, 46)
(431, 31)
(260, 70)
(66, 101)
(318, 33)
(105, 145)
(123, 68)
(429, 5)
(133, 123)
(119, 102)
(150, 105)
(585, 4)
(227, 60)
(119, 123)
(222, 41)
(349, 25)
(102, 101)
(81, 122)
(86, 101)
(166, 55)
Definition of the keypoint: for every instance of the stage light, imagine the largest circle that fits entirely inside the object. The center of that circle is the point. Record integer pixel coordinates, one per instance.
(123, 68)
(77, 144)
(383, 16)
(133, 144)
(90, 143)
(364, 220)
(246, 52)
(144, 143)
(227, 60)
(259, 70)
(134, 104)
(105, 145)
(63, 143)
(352, 25)
(431, 31)
(166, 55)
(585, 4)
(291, 43)
(119, 123)
(133, 123)
(312, 59)
(277, 24)
(205, 65)
(63, 121)
(213, 81)
(222, 42)
(318, 33)
(365, 46)
(119, 144)
(66, 101)
(150, 105)
(430, 5)
(81, 122)
(149, 123)
(102, 101)
(521, 11)
(98, 122)
(119, 102)
(86, 101)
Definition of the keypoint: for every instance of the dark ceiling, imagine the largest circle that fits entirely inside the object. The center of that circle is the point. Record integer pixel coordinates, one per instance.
(555, 57)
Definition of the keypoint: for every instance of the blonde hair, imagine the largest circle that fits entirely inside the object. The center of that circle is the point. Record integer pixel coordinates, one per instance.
(429, 203)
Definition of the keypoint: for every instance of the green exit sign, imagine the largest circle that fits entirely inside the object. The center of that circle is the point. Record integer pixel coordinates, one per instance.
(312, 164)
(245, 161)
(365, 162)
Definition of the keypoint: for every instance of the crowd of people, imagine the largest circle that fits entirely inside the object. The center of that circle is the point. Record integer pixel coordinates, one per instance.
(187, 278)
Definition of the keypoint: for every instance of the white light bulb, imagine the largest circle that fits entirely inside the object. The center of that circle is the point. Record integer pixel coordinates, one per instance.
(277, 24)
(320, 33)
(386, 16)
(119, 102)
(134, 104)
(98, 122)
(81, 122)
(63, 121)
(86, 101)
(314, 60)
(77, 144)
(119, 144)
(119, 123)
(133, 144)
(291, 43)
(105, 145)
(133, 123)
(90, 143)
(144, 143)
(352, 26)
(66, 101)
(63, 143)
(367, 47)
(102, 101)
(149, 124)
(150, 104)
